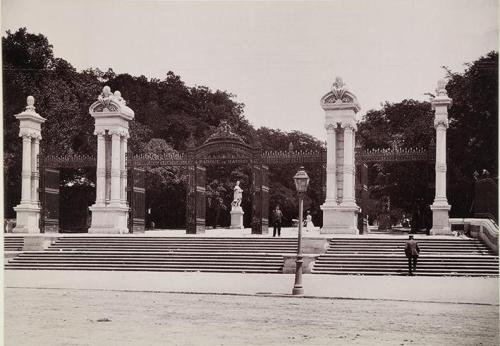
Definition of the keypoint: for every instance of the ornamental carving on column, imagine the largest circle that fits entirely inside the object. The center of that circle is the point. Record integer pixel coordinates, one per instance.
(29, 133)
(441, 122)
(349, 124)
(100, 132)
(339, 97)
(331, 126)
(119, 132)
(108, 101)
(339, 93)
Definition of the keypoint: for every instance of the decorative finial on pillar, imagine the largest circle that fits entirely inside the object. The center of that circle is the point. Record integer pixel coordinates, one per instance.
(441, 88)
(30, 101)
(118, 97)
(338, 84)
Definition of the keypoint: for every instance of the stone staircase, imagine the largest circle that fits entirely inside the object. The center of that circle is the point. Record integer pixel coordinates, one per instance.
(203, 254)
(13, 243)
(385, 256)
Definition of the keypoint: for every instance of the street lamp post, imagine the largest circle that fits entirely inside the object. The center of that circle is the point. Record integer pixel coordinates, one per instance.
(301, 180)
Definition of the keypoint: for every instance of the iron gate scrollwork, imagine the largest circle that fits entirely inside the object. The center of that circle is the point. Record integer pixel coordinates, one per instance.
(136, 196)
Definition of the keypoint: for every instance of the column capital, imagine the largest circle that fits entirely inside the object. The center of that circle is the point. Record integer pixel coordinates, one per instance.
(331, 126)
(99, 132)
(443, 123)
(29, 133)
(119, 132)
(349, 124)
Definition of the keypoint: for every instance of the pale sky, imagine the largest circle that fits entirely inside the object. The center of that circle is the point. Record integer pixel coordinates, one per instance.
(279, 58)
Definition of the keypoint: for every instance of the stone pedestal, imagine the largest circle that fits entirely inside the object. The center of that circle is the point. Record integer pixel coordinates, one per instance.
(109, 219)
(340, 209)
(237, 218)
(440, 207)
(340, 219)
(112, 116)
(27, 219)
(30, 128)
(440, 219)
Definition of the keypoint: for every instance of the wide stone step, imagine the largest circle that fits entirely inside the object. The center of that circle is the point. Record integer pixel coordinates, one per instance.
(178, 239)
(70, 261)
(13, 243)
(247, 251)
(173, 246)
(169, 259)
(144, 266)
(336, 272)
(129, 268)
(405, 265)
(106, 254)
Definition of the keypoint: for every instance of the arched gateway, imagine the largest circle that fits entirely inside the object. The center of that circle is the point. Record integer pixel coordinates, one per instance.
(120, 186)
(222, 147)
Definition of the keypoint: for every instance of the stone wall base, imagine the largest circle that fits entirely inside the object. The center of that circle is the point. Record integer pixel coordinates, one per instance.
(27, 219)
(340, 219)
(109, 219)
(290, 265)
(440, 219)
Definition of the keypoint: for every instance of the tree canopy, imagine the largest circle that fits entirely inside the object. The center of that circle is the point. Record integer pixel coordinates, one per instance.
(170, 115)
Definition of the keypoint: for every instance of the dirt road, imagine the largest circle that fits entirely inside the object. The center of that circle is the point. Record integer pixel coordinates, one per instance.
(96, 317)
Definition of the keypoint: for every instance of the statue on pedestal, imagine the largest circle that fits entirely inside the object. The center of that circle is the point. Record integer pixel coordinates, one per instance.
(236, 211)
(238, 195)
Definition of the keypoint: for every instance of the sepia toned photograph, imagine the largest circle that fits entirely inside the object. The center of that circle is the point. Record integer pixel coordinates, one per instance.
(250, 172)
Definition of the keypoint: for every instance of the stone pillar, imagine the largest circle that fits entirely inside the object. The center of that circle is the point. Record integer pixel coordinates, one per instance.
(340, 107)
(26, 169)
(28, 211)
(331, 164)
(115, 168)
(111, 116)
(123, 169)
(35, 173)
(348, 169)
(440, 208)
(101, 168)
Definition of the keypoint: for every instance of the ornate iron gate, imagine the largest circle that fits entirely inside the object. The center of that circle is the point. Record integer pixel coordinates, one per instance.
(136, 196)
(196, 200)
(49, 200)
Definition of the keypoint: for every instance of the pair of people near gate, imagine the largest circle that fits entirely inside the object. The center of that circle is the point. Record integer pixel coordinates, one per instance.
(278, 219)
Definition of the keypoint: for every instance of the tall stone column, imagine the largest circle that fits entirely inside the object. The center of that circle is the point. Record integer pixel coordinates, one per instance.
(101, 168)
(340, 107)
(123, 169)
(35, 174)
(440, 208)
(28, 211)
(331, 164)
(26, 169)
(111, 116)
(115, 167)
(348, 170)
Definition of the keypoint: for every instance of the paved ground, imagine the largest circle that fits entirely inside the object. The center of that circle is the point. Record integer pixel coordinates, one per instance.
(428, 289)
(88, 317)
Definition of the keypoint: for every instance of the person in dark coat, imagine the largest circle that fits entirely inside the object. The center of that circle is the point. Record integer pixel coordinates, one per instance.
(412, 251)
(277, 219)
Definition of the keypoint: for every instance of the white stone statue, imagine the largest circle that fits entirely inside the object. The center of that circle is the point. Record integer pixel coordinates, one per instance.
(238, 195)
(309, 223)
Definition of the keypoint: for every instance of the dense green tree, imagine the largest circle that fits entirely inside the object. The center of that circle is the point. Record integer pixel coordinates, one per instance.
(473, 132)
(472, 138)
(170, 116)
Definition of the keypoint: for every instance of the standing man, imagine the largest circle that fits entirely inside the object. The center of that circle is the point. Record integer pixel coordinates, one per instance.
(277, 218)
(412, 251)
